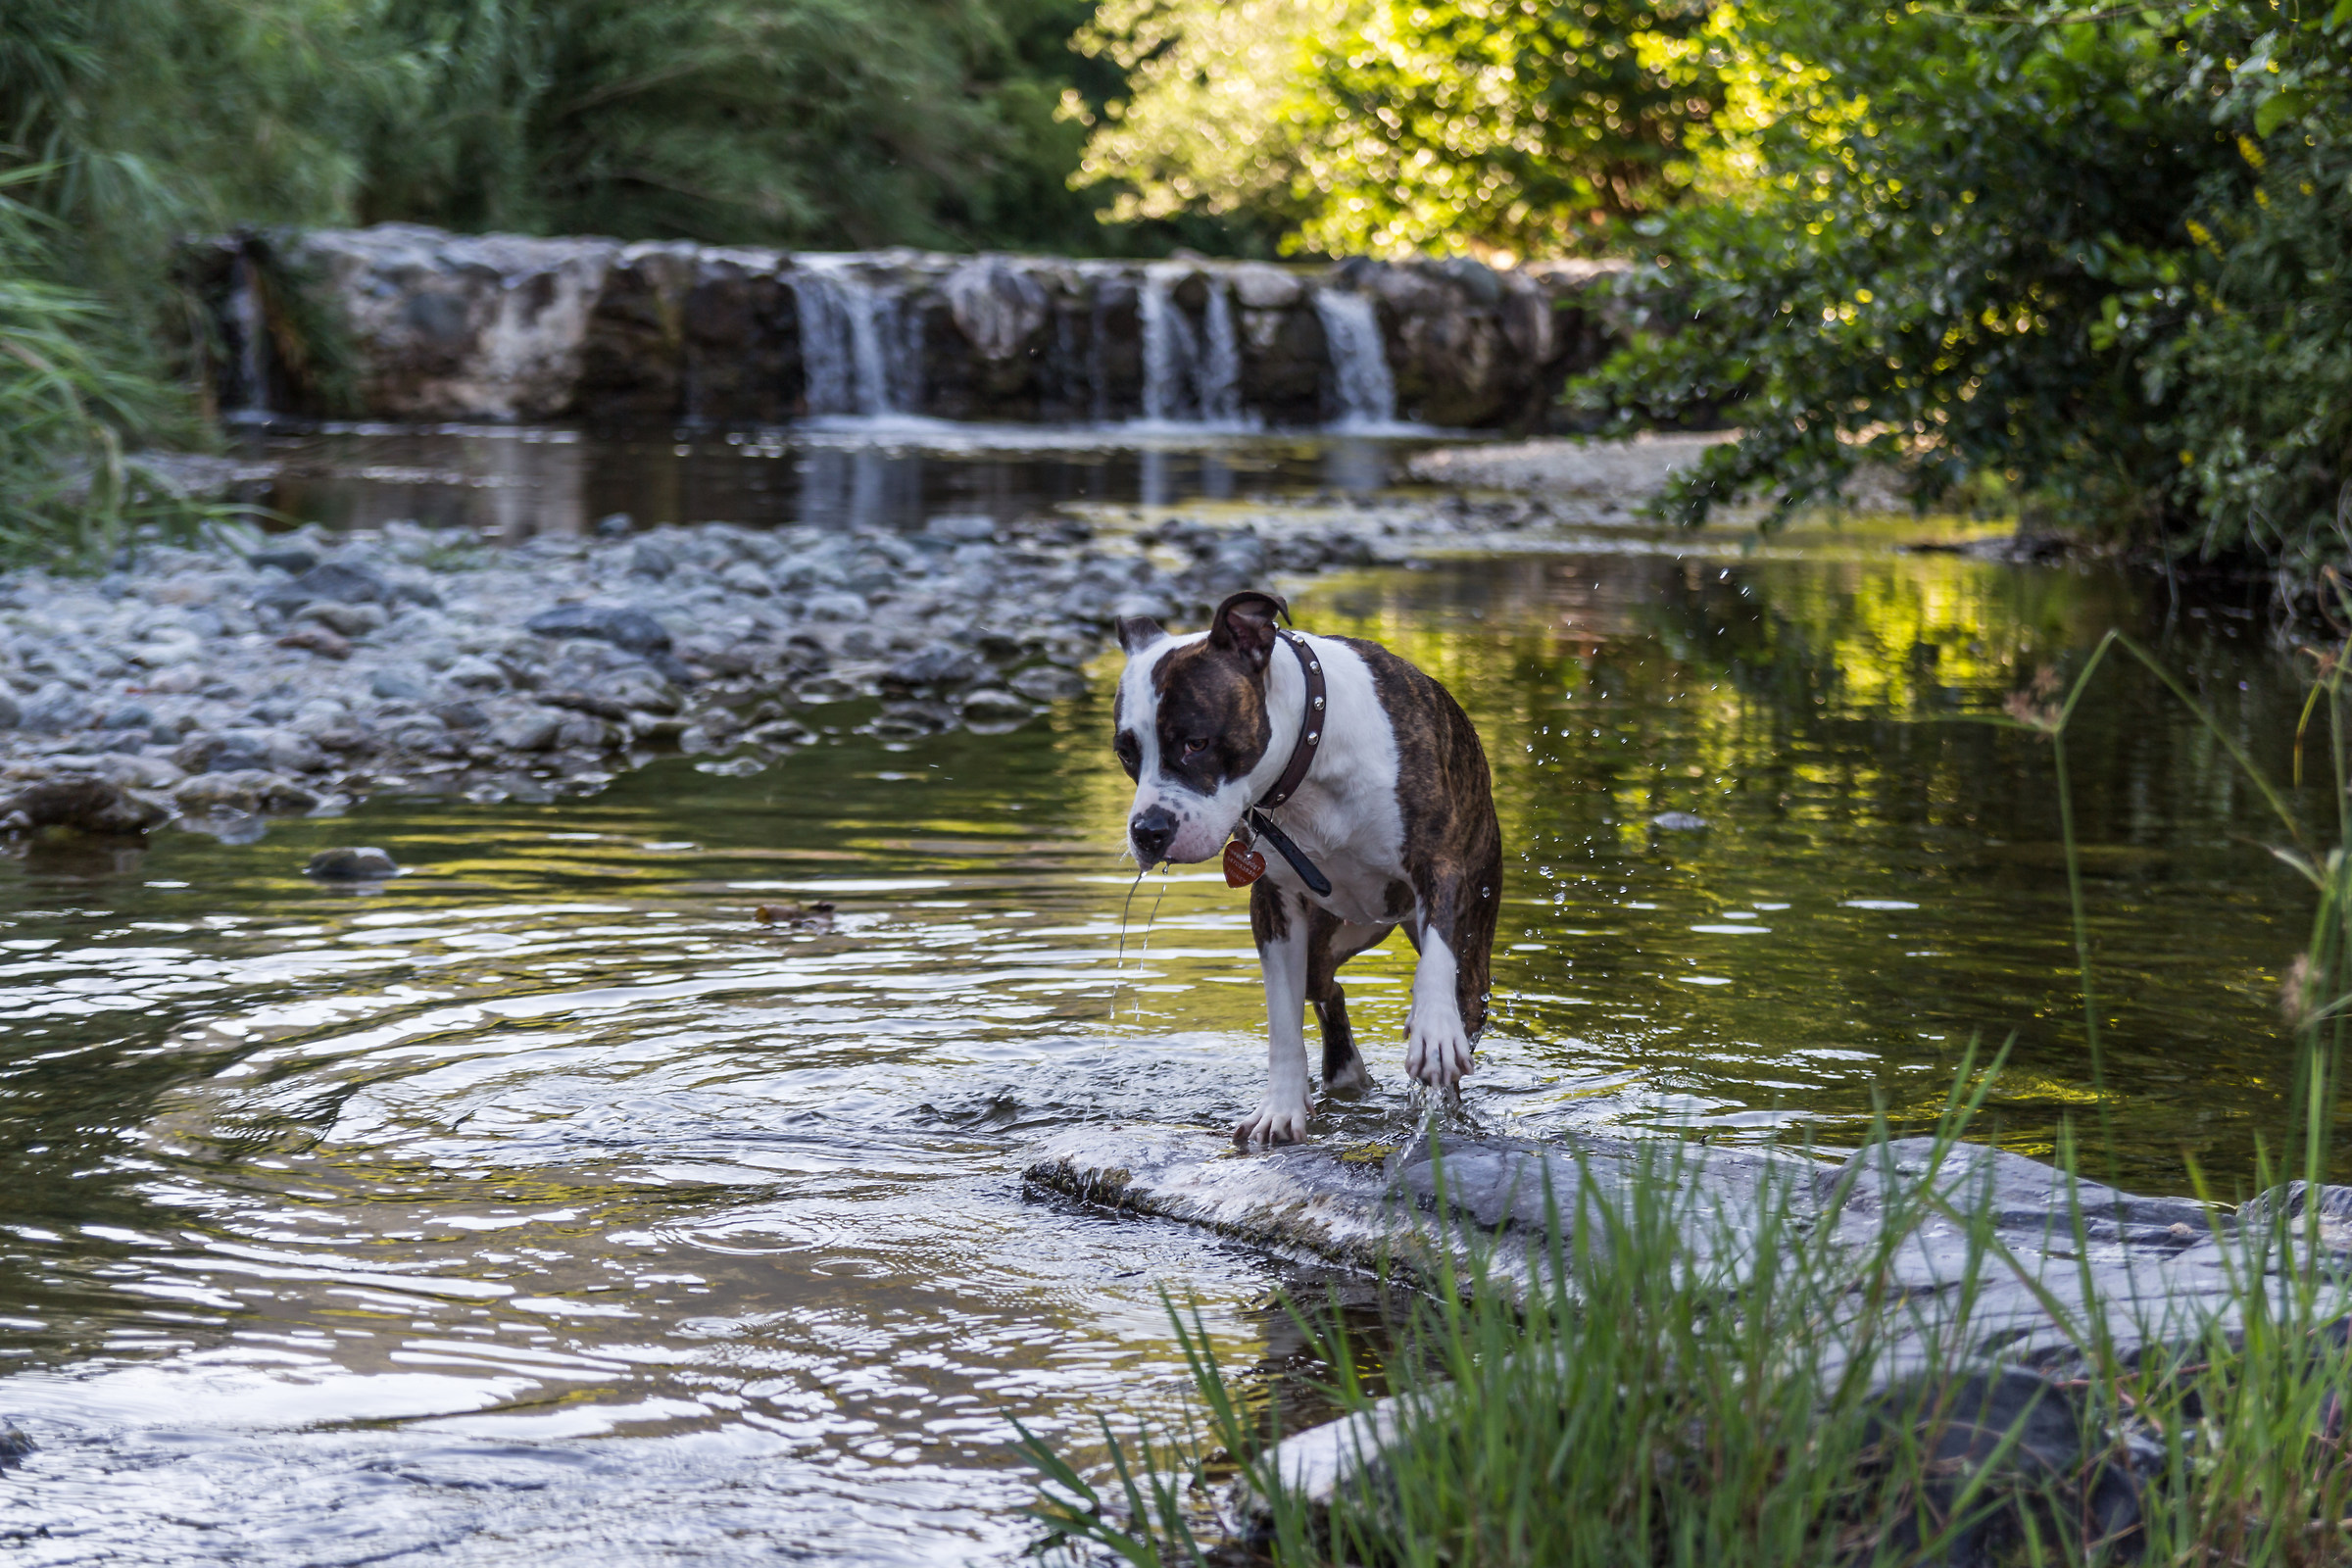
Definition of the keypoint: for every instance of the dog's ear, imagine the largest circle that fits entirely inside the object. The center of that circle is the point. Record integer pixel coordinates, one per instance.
(1139, 632)
(1245, 624)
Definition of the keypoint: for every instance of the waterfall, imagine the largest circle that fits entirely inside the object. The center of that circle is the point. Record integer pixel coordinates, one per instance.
(1191, 376)
(1220, 361)
(1169, 350)
(858, 349)
(250, 324)
(1360, 359)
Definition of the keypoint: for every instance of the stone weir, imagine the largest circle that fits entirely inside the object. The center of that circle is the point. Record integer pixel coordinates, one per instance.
(431, 326)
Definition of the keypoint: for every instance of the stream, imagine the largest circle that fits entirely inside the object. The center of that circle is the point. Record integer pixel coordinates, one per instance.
(544, 1204)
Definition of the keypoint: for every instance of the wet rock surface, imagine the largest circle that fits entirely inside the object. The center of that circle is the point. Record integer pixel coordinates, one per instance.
(222, 684)
(358, 863)
(1990, 1341)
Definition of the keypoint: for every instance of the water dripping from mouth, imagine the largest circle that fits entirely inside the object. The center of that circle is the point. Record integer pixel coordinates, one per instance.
(1120, 963)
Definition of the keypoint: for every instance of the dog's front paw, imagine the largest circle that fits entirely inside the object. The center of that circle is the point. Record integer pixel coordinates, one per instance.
(1274, 1121)
(1437, 1049)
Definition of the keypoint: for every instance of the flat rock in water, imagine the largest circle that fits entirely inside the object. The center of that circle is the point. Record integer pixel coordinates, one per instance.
(2159, 1271)
(2004, 1307)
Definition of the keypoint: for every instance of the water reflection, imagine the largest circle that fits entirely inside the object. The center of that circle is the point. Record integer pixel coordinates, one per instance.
(543, 1202)
(511, 482)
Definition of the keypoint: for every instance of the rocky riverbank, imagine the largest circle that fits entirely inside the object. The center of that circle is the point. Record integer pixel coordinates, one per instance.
(217, 685)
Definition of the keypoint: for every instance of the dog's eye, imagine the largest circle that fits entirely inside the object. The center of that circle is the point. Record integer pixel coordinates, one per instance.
(1194, 747)
(1129, 753)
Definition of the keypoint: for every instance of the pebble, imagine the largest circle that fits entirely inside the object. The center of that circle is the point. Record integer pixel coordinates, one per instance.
(211, 683)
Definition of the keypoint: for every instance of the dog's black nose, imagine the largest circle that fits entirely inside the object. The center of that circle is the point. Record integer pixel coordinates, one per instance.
(1151, 831)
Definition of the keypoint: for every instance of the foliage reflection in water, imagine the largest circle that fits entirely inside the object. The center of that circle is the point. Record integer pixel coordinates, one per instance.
(340, 1221)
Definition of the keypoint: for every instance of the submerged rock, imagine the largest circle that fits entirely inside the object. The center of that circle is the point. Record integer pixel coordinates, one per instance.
(360, 863)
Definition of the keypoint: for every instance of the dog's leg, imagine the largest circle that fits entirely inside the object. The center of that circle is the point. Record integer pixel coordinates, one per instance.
(1330, 943)
(1449, 983)
(1281, 952)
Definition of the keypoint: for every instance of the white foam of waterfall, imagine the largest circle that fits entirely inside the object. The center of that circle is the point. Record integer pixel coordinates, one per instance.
(1169, 351)
(858, 351)
(251, 321)
(1220, 378)
(1192, 374)
(1360, 360)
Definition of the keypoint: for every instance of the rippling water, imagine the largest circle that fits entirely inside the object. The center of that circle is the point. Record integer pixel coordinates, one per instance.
(545, 1203)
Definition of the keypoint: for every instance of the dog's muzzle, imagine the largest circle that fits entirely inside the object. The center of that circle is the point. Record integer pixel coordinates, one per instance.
(1152, 830)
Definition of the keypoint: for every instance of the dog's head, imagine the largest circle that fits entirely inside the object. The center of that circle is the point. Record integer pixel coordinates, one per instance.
(1191, 726)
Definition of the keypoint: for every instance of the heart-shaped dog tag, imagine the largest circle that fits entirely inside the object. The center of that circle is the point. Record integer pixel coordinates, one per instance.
(1242, 865)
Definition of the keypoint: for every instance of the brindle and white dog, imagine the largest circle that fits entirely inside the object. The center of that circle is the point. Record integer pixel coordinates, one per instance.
(1396, 809)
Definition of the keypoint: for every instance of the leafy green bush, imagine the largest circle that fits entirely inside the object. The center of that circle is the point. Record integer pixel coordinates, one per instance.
(2098, 259)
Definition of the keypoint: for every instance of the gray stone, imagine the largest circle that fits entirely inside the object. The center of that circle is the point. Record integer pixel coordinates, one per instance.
(11, 715)
(963, 527)
(585, 731)
(398, 686)
(744, 577)
(344, 584)
(292, 559)
(528, 731)
(632, 630)
(127, 716)
(345, 619)
(461, 715)
(245, 790)
(940, 666)
(997, 306)
(1047, 683)
(837, 606)
(358, 863)
(86, 804)
(1678, 822)
(635, 689)
(650, 559)
(235, 751)
(474, 673)
(55, 710)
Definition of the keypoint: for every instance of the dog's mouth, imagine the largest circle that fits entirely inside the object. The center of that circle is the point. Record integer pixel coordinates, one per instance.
(1180, 833)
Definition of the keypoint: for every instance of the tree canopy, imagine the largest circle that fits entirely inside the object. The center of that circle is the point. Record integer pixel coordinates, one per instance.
(1384, 126)
(2093, 261)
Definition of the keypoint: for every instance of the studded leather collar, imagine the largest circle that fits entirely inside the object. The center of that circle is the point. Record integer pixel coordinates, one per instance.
(1311, 726)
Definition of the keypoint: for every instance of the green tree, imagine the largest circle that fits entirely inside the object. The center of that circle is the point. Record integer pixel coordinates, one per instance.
(2097, 258)
(1384, 126)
